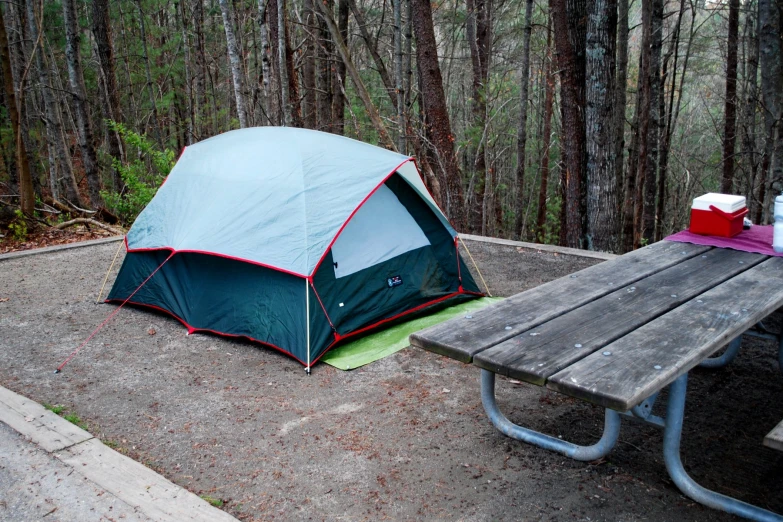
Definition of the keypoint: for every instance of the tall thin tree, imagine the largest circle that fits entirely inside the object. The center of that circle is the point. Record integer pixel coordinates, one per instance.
(730, 113)
(80, 101)
(236, 65)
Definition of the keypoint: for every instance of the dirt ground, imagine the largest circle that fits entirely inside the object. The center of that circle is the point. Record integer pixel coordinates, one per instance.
(402, 438)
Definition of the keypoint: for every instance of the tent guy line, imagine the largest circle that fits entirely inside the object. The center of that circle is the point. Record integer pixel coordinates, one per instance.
(105, 321)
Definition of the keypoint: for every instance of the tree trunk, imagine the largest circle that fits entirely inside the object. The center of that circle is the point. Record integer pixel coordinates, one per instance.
(522, 129)
(383, 135)
(200, 73)
(79, 93)
(324, 76)
(477, 29)
(749, 117)
(620, 101)
(373, 49)
(266, 59)
(771, 88)
(433, 100)
(308, 66)
(730, 118)
(191, 115)
(546, 137)
(671, 113)
(63, 173)
(649, 218)
(399, 82)
(108, 92)
(148, 75)
(236, 65)
(338, 82)
(602, 213)
(569, 42)
(15, 107)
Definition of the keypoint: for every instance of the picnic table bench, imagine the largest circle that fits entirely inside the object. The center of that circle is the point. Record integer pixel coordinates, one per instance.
(774, 438)
(618, 333)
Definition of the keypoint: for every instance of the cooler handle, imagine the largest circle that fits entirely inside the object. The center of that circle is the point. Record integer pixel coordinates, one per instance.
(726, 215)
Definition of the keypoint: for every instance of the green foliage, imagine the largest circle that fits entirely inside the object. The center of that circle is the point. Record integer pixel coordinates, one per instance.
(70, 417)
(57, 408)
(18, 226)
(142, 177)
(213, 501)
(74, 419)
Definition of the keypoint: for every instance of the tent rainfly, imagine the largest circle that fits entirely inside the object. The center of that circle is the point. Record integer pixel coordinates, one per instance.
(293, 238)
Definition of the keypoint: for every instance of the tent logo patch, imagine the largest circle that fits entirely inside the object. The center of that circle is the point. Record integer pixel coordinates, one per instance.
(394, 281)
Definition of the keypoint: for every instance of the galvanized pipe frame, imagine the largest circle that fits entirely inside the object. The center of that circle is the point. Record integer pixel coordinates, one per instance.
(575, 451)
(731, 352)
(675, 412)
(671, 424)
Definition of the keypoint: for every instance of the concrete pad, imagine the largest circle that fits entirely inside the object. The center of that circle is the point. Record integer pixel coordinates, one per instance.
(136, 487)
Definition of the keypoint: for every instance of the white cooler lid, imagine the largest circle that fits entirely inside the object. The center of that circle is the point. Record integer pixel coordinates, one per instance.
(728, 203)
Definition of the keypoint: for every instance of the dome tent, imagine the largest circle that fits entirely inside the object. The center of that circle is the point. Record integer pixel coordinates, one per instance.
(293, 238)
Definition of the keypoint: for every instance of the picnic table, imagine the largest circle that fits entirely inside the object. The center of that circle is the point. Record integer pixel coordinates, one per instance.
(615, 335)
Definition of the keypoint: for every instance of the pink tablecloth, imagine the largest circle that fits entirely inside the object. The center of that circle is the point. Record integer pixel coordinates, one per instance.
(758, 239)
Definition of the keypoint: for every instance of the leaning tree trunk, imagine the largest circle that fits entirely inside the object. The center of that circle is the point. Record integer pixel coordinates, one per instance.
(434, 102)
(323, 77)
(730, 113)
(522, 129)
(236, 65)
(79, 93)
(338, 78)
(26, 191)
(602, 215)
(372, 112)
(54, 130)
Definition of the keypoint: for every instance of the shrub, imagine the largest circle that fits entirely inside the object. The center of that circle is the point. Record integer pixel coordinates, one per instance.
(142, 177)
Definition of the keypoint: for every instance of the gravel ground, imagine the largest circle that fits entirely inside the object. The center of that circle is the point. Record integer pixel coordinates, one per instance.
(402, 438)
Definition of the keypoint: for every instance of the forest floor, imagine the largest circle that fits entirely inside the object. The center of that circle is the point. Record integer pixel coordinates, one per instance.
(41, 236)
(405, 437)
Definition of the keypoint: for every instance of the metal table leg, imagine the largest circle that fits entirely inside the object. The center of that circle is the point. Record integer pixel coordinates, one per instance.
(569, 449)
(675, 410)
(725, 358)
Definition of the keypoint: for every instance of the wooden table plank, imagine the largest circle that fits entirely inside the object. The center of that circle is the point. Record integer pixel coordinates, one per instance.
(774, 438)
(654, 355)
(535, 355)
(462, 338)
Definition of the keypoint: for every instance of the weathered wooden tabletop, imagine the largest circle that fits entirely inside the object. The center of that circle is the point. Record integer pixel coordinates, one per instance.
(617, 332)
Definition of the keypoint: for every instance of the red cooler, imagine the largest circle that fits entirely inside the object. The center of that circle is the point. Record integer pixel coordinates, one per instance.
(718, 215)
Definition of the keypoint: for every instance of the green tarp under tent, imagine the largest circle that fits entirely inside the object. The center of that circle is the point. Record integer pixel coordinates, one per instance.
(293, 238)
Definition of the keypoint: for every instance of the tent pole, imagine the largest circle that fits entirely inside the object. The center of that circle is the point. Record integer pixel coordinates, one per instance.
(307, 306)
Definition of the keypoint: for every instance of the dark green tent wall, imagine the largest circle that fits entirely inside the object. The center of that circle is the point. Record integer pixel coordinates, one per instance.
(392, 253)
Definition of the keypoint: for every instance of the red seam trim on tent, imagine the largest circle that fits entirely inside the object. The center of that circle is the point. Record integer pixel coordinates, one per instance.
(115, 312)
(401, 314)
(312, 285)
(206, 253)
(192, 329)
(328, 248)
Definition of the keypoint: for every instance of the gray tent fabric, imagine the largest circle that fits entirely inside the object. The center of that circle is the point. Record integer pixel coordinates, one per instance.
(284, 191)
